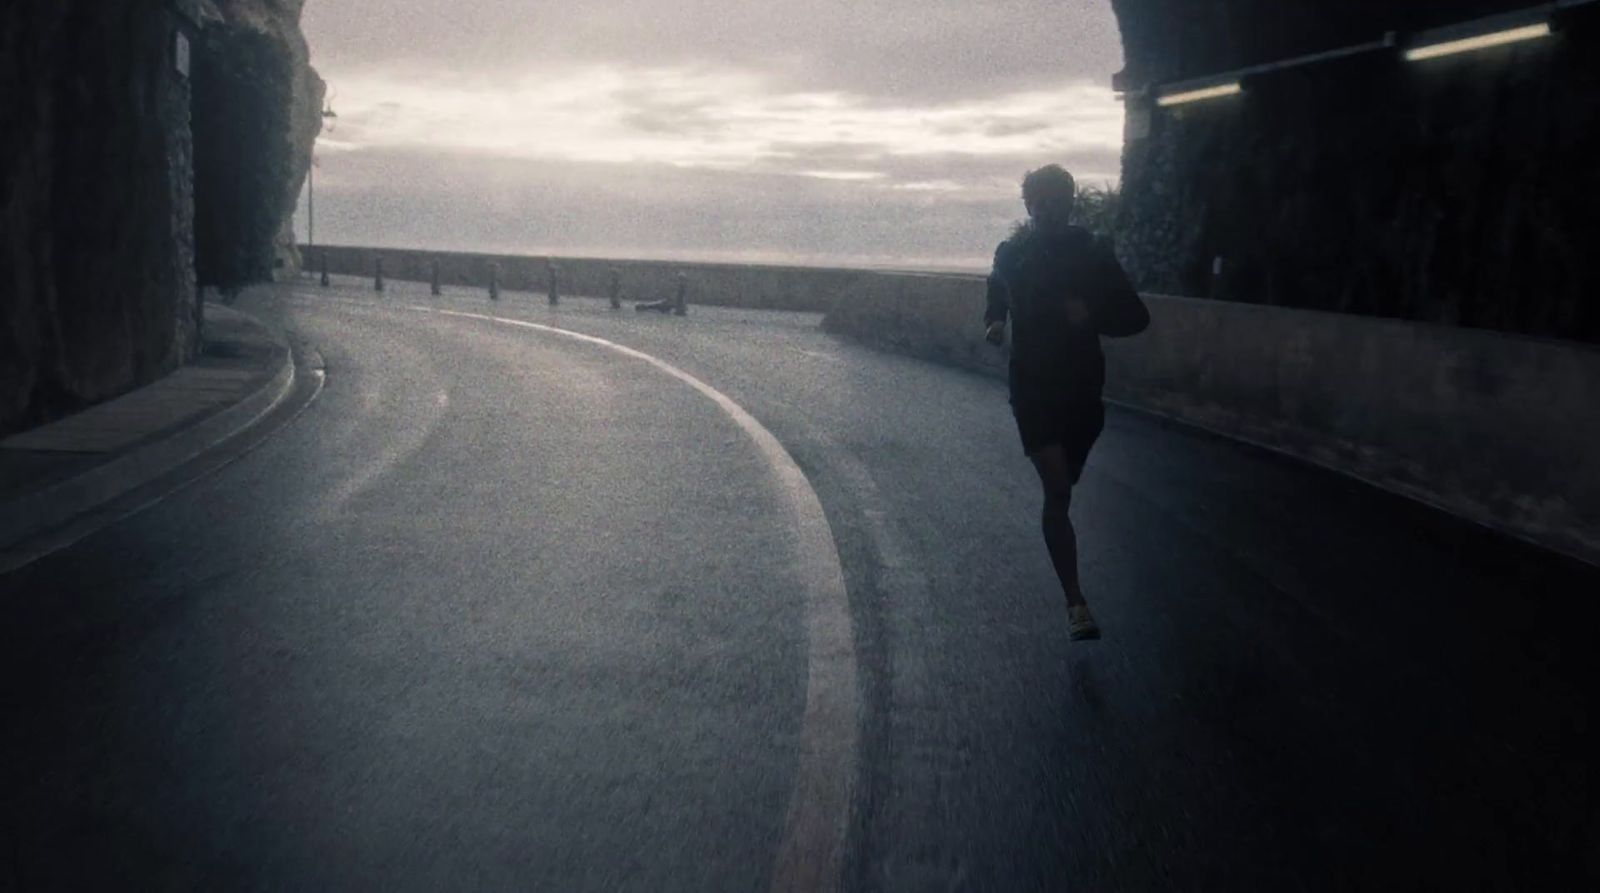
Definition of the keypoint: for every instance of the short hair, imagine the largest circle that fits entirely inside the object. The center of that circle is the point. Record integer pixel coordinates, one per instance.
(1049, 182)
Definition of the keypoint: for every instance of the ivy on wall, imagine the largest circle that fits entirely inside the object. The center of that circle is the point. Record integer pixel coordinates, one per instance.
(243, 154)
(1097, 209)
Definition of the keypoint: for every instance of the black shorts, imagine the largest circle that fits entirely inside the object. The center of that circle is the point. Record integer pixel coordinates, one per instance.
(1072, 426)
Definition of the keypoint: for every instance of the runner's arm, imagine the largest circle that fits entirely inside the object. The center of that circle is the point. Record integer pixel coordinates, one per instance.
(998, 305)
(1119, 312)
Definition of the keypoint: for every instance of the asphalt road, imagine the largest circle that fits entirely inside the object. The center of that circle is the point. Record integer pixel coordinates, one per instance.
(503, 609)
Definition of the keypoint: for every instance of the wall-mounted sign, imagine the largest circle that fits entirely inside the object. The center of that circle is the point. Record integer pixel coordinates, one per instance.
(180, 54)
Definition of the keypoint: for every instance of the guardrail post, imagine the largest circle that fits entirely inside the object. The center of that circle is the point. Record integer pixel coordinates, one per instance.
(615, 289)
(435, 278)
(377, 276)
(325, 280)
(494, 281)
(680, 304)
(554, 273)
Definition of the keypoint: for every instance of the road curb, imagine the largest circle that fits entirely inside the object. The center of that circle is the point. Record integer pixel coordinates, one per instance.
(42, 511)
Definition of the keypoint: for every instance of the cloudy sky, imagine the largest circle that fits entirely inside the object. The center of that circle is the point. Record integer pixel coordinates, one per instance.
(861, 133)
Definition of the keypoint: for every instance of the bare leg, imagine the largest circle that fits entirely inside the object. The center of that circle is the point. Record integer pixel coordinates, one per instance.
(1055, 474)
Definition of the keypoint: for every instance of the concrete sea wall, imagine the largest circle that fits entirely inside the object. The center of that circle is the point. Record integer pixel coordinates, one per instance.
(767, 288)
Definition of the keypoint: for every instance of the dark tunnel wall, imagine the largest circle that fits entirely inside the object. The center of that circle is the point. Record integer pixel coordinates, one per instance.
(1167, 40)
(1458, 190)
(103, 122)
(97, 288)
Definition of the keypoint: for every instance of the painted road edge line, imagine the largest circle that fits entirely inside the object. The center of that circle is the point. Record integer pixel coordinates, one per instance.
(811, 852)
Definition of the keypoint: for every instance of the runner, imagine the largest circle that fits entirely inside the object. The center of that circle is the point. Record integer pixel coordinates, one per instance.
(1061, 290)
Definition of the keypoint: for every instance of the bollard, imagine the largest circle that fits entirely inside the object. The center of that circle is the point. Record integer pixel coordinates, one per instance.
(494, 282)
(616, 289)
(377, 277)
(437, 291)
(554, 273)
(680, 305)
(325, 280)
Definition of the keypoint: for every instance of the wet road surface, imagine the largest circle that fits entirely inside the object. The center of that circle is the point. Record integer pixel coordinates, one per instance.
(507, 610)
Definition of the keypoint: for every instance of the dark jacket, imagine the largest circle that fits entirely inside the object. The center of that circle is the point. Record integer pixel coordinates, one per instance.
(1036, 274)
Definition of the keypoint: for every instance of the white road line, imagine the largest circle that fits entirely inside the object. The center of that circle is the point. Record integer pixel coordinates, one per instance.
(811, 853)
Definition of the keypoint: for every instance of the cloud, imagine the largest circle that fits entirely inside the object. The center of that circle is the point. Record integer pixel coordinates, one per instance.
(844, 175)
(652, 210)
(1003, 127)
(715, 118)
(895, 50)
(829, 129)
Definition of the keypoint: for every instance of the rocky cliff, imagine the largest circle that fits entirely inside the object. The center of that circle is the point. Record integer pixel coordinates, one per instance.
(281, 20)
(257, 118)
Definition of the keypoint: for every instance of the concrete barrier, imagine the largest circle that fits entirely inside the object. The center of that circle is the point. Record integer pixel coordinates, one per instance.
(1503, 430)
(724, 285)
(935, 317)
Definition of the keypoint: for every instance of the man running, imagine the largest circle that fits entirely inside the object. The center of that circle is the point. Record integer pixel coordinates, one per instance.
(1062, 290)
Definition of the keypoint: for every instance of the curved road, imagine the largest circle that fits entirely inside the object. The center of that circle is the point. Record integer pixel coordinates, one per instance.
(506, 609)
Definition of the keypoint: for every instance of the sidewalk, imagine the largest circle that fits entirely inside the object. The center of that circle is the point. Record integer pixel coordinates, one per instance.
(53, 474)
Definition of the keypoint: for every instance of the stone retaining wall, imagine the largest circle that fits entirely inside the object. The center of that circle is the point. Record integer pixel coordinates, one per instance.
(1503, 430)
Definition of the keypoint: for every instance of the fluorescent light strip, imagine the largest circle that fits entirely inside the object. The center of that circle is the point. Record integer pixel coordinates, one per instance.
(1197, 95)
(1481, 41)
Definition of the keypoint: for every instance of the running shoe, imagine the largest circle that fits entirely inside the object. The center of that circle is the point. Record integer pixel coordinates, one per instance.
(1080, 623)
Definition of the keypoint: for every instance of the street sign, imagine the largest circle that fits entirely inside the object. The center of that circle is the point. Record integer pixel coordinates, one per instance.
(180, 54)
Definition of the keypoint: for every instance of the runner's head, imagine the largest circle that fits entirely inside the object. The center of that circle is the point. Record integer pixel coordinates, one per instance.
(1049, 194)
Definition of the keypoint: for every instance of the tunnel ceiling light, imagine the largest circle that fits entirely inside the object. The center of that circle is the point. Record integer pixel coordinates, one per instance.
(1478, 42)
(1203, 93)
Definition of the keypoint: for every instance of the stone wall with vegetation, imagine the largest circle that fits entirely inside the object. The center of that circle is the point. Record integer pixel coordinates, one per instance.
(1458, 191)
(257, 112)
(260, 47)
